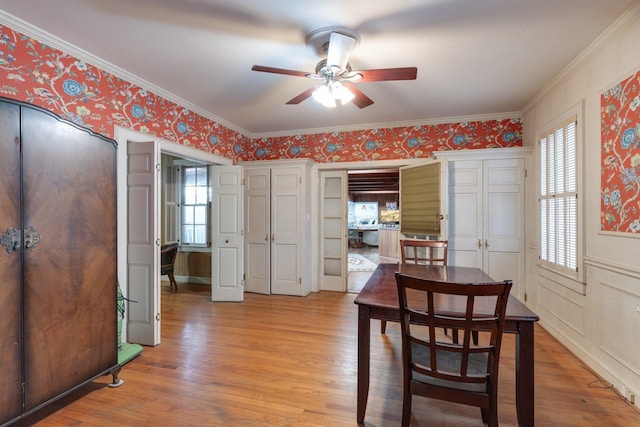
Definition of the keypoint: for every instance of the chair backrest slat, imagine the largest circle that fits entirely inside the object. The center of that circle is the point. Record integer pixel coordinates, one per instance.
(428, 252)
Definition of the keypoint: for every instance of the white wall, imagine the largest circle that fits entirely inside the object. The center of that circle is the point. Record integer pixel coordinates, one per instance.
(600, 320)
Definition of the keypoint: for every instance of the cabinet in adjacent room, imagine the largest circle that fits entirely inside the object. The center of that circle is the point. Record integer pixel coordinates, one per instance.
(486, 213)
(276, 229)
(58, 327)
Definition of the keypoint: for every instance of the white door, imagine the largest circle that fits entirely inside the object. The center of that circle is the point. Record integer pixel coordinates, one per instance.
(333, 229)
(465, 213)
(486, 202)
(503, 225)
(143, 243)
(257, 230)
(286, 233)
(226, 230)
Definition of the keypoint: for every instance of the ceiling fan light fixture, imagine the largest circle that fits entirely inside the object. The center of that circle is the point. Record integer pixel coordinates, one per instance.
(342, 93)
(330, 93)
(323, 95)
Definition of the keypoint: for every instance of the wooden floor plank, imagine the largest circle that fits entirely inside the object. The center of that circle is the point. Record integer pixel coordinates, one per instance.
(291, 361)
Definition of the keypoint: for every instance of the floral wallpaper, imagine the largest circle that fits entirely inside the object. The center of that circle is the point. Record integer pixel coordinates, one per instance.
(620, 157)
(39, 74)
(33, 72)
(389, 143)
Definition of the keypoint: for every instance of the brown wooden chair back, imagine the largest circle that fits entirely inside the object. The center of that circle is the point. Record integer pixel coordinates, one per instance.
(424, 251)
(437, 368)
(168, 255)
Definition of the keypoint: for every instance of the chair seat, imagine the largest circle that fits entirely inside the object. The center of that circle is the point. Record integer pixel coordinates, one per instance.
(450, 363)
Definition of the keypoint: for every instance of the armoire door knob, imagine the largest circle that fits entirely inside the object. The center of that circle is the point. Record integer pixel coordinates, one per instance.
(11, 239)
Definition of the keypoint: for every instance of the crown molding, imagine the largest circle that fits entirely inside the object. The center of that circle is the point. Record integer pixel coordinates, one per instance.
(66, 47)
(614, 30)
(389, 125)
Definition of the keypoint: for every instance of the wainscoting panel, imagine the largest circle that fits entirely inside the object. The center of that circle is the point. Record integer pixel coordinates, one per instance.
(619, 316)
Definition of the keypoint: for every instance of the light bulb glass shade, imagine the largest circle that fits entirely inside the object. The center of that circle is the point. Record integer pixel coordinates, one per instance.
(342, 93)
(323, 95)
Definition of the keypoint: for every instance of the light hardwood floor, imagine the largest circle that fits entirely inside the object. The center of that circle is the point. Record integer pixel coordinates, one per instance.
(291, 361)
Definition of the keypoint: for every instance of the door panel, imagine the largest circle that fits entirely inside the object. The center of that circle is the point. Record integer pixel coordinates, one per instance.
(10, 265)
(333, 231)
(69, 196)
(143, 243)
(285, 231)
(257, 231)
(465, 213)
(504, 227)
(226, 229)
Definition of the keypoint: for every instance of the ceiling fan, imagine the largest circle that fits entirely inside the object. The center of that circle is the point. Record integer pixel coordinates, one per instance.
(335, 70)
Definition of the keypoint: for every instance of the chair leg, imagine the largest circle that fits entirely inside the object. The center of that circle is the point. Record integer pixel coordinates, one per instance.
(383, 326)
(454, 335)
(172, 282)
(406, 409)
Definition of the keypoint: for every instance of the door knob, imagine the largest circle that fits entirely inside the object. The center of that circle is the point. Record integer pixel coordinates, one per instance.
(11, 239)
(31, 238)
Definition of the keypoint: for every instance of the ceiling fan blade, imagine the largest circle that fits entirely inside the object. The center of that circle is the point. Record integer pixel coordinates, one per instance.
(279, 71)
(360, 99)
(340, 47)
(304, 95)
(382, 74)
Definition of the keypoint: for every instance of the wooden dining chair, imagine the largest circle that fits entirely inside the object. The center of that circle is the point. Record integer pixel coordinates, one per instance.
(168, 255)
(463, 373)
(426, 252)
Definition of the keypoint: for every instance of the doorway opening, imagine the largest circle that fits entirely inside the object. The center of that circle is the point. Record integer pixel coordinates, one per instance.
(373, 222)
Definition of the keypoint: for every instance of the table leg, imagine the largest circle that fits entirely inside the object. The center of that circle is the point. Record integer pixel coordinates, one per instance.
(525, 390)
(364, 348)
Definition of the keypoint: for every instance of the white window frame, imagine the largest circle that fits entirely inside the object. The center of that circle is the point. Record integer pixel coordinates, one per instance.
(183, 204)
(556, 194)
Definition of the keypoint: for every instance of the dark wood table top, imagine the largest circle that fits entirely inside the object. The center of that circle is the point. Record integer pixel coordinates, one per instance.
(381, 291)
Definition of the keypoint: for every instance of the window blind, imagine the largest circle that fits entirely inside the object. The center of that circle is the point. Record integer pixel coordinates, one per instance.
(558, 196)
(420, 200)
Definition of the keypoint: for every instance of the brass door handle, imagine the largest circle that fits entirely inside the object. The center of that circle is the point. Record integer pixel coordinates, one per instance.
(486, 243)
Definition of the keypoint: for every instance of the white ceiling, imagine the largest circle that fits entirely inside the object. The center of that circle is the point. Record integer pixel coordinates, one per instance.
(475, 58)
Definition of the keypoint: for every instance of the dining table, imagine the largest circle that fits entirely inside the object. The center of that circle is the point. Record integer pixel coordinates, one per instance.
(378, 299)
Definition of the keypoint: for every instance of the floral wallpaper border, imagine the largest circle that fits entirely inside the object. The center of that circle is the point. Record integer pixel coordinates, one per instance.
(620, 157)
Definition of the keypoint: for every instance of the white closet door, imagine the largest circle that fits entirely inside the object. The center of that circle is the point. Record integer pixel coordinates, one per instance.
(486, 214)
(286, 231)
(257, 230)
(143, 243)
(503, 226)
(465, 213)
(226, 230)
(333, 229)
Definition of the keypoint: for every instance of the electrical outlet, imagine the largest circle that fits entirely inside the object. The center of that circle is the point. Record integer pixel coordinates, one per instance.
(627, 394)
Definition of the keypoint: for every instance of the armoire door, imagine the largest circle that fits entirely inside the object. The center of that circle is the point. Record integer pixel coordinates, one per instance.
(10, 265)
(69, 275)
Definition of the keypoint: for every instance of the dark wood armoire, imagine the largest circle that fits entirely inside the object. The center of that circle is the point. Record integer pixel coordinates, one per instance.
(58, 282)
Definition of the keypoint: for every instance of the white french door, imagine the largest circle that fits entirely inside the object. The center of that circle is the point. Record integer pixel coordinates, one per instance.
(333, 230)
(143, 274)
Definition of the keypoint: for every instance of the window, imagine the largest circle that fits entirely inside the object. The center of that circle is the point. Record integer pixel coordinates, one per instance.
(195, 205)
(559, 209)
